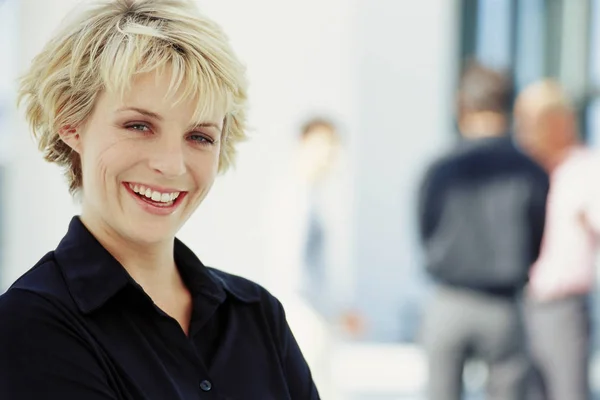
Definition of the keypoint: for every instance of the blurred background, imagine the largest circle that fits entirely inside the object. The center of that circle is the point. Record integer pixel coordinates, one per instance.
(385, 71)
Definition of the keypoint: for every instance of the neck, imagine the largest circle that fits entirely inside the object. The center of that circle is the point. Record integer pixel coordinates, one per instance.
(152, 266)
(484, 124)
(309, 174)
(558, 157)
(475, 133)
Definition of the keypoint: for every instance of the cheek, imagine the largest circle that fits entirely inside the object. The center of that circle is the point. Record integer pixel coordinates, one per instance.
(209, 173)
(105, 159)
(204, 169)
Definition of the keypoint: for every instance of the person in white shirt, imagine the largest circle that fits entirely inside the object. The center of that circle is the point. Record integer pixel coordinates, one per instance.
(561, 279)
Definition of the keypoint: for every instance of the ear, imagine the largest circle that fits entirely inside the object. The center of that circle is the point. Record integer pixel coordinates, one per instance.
(71, 137)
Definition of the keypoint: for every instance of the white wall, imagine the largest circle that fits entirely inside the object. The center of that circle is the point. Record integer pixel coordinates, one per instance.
(8, 47)
(406, 57)
(39, 206)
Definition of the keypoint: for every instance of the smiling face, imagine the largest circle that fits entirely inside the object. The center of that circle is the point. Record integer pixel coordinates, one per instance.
(147, 160)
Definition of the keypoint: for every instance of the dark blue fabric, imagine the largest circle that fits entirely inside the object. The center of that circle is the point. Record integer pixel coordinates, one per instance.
(77, 326)
(482, 214)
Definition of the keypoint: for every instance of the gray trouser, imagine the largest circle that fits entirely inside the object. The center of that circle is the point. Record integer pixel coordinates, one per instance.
(559, 333)
(462, 323)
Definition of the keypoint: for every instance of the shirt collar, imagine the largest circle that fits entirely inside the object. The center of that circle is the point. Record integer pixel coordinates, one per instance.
(94, 276)
(486, 141)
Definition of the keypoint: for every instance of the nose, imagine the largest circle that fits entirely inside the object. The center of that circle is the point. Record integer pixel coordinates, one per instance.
(168, 156)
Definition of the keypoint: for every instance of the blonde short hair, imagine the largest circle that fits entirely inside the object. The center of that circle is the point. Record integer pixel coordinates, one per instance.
(543, 96)
(104, 46)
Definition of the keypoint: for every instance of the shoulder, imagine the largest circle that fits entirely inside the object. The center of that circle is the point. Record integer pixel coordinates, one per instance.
(518, 167)
(526, 164)
(574, 171)
(18, 304)
(528, 167)
(27, 315)
(38, 298)
(445, 160)
(463, 155)
(45, 280)
(443, 169)
(44, 350)
(39, 291)
(506, 157)
(590, 160)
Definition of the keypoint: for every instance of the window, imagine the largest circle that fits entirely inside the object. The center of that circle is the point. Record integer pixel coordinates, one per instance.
(532, 39)
(592, 114)
(494, 20)
(592, 123)
(529, 32)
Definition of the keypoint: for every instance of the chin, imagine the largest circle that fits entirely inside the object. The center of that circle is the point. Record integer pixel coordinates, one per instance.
(146, 237)
(149, 230)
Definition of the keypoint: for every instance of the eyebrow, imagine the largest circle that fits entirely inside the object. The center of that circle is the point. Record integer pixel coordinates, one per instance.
(142, 111)
(157, 117)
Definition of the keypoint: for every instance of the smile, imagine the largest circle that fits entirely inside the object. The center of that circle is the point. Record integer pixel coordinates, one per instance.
(154, 200)
(154, 195)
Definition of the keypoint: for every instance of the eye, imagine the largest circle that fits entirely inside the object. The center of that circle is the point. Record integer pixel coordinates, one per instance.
(203, 140)
(138, 127)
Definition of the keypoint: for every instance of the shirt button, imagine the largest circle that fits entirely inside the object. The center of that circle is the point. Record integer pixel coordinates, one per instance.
(205, 386)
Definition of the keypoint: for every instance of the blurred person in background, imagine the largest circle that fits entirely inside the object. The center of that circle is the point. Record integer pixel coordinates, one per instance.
(482, 209)
(557, 310)
(142, 103)
(326, 278)
(309, 245)
(311, 213)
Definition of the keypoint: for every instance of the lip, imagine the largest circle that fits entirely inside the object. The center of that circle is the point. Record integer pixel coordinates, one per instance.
(152, 209)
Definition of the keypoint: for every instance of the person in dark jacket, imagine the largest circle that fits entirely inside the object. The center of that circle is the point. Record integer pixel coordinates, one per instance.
(481, 217)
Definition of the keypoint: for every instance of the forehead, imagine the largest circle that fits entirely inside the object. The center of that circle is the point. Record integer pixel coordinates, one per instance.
(321, 130)
(154, 91)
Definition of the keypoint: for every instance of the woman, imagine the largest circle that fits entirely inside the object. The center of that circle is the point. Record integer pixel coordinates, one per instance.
(142, 102)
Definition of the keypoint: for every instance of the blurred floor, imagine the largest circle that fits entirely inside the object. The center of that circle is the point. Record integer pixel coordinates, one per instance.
(398, 372)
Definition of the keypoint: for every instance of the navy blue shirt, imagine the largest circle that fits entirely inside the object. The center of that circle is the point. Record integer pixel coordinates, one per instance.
(77, 326)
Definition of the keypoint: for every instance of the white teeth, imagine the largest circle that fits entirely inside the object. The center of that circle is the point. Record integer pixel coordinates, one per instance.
(154, 195)
(165, 197)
